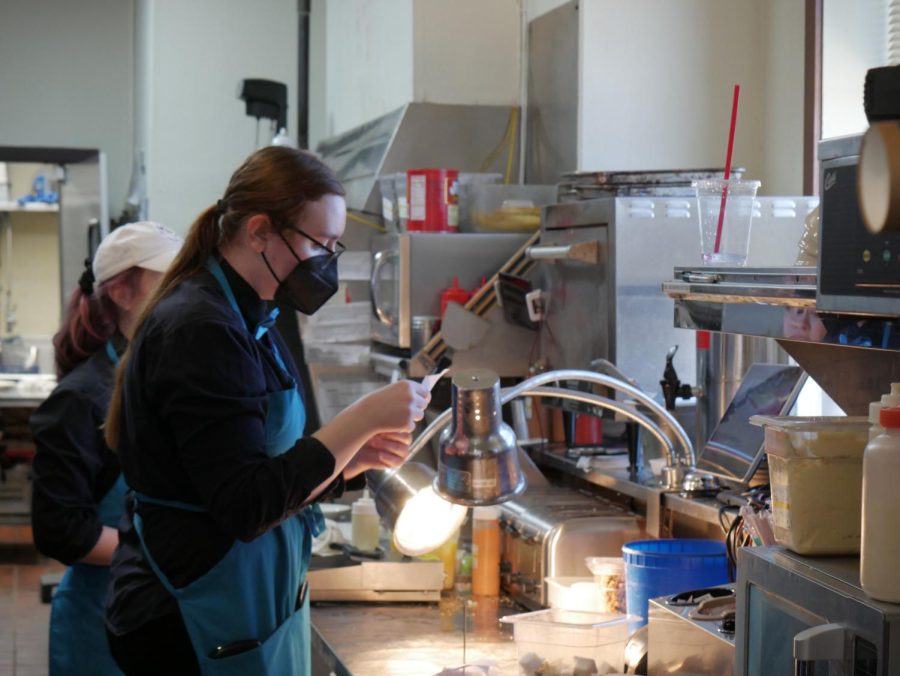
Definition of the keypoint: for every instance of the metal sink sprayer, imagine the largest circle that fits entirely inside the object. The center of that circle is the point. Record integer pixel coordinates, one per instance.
(679, 452)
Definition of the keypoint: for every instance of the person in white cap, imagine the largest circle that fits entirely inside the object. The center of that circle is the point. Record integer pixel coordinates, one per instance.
(78, 488)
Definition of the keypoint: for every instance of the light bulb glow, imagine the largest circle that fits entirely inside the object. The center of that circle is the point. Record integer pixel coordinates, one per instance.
(426, 522)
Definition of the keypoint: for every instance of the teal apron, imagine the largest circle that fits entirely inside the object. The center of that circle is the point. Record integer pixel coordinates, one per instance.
(250, 614)
(77, 630)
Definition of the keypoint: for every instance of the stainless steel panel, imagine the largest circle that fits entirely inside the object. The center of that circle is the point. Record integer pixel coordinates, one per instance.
(813, 591)
(679, 645)
(416, 135)
(82, 201)
(551, 144)
(614, 310)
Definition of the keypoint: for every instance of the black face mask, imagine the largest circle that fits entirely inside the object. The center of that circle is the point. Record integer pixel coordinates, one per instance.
(309, 285)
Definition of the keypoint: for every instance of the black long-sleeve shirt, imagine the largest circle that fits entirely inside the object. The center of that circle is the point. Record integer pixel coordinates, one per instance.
(193, 430)
(73, 467)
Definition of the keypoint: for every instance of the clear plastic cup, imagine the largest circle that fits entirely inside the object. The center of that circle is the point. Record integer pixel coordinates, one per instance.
(734, 243)
(609, 577)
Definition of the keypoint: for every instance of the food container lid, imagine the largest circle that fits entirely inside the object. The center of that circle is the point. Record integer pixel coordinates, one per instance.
(814, 437)
(569, 627)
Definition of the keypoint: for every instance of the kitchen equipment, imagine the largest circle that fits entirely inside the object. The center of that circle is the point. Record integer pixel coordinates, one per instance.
(409, 271)
(815, 468)
(655, 567)
(786, 601)
(587, 185)
(695, 637)
(858, 270)
(548, 531)
(478, 458)
(569, 642)
(617, 302)
(419, 520)
(395, 579)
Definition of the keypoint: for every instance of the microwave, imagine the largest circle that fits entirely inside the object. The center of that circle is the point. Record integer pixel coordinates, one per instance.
(804, 615)
(411, 270)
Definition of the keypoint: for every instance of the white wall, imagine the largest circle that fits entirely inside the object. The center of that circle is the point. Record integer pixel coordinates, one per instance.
(854, 39)
(361, 62)
(783, 53)
(466, 51)
(369, 57)
(194, 53)
(66, 79)
(657, 82)
(534, 8)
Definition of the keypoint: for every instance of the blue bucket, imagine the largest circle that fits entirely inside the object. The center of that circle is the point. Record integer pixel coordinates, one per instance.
(662, 567)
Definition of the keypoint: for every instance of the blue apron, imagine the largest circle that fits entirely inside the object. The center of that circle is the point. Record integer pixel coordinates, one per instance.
(77, 630)
(250, 614)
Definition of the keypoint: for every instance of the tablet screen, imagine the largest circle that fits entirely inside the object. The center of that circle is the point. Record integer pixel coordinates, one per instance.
(735, 447)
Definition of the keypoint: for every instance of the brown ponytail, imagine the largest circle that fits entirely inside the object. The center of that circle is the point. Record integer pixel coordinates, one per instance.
(277, 181)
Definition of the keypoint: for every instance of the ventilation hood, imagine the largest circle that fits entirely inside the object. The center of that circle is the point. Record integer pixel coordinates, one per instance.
(418, 135)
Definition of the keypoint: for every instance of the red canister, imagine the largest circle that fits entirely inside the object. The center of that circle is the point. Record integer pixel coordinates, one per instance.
(433, 202)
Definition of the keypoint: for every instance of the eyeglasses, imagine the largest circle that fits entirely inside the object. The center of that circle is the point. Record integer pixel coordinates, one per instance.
(333, 253)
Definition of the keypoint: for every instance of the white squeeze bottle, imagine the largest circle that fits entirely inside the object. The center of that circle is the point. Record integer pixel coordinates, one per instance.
(880, 550)
(887, 401)
(365, 529)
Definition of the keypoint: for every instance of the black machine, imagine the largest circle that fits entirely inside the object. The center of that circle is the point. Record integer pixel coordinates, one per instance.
(858, 268)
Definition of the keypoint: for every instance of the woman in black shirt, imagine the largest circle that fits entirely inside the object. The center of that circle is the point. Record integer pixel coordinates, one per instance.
(208, 423)
(78, 486)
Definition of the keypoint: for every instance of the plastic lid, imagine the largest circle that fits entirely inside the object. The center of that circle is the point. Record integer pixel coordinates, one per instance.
(365, 505)
(891, 399)
(486, 513)
(890, 418)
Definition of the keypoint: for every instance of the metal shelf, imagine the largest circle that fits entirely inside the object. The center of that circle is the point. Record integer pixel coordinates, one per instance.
(780, 303)
(775, 303)
(30, 207)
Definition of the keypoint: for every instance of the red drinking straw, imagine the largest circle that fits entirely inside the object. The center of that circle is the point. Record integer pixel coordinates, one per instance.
(734, 107)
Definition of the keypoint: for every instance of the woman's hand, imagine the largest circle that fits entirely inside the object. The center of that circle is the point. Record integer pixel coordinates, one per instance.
(382, 451)
(397, 407)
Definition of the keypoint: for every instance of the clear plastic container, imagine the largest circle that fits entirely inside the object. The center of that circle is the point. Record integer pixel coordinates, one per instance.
(609, 577)
(504, 208)
(365, 525)
(815, 469)
(566, 643)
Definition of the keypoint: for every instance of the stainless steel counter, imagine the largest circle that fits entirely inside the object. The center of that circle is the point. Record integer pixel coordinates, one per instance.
(412, 639)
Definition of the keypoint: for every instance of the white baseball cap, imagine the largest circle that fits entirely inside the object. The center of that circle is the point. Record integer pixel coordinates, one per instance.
(144, 244)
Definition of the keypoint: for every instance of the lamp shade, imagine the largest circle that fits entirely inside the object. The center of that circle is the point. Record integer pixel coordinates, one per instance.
(478, 462)
(420, 521)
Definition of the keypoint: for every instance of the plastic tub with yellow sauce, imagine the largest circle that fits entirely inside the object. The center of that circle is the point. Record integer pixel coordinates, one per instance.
(815, 471)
